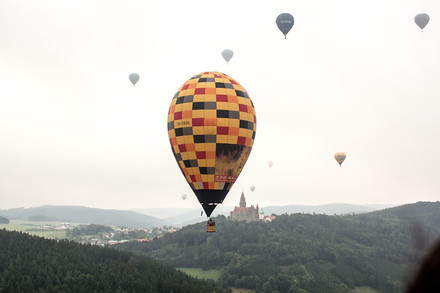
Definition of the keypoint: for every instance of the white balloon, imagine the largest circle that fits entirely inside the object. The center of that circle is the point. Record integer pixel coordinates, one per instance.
(227, 54)
(134, 77)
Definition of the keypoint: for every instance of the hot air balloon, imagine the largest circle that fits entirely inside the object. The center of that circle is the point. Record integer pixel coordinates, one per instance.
(183, 196)
(134, 77)
(340, 157)
(211, 127)
(285, 23)
(252, 188)
(270, 164)
(227, 54)
(421, 20)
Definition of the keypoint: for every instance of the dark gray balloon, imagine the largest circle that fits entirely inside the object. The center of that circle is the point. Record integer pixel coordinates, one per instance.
(285, 23)
(421, 20)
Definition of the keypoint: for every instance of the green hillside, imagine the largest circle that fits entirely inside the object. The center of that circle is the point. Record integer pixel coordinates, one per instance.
(78, 214)
(34, 264)
(307, 252)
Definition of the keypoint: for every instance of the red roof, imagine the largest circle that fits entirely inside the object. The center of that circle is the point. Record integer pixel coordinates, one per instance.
(245, 210)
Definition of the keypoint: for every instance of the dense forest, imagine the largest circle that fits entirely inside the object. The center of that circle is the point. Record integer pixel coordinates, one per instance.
(307, 252)
(34, 264)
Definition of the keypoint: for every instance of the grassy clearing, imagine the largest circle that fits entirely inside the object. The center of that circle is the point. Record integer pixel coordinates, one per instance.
(214, 275)
(31, 227)
(241, 290)
(201, 274)
(364, 290)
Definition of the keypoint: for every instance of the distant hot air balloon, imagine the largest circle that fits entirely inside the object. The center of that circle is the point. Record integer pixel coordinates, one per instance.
(285, 23)
(134, 77)
(421, 20)
(227, 54)
(184, 196)
(340, 157)
(270, 164)
(252, 188)
(211, 127)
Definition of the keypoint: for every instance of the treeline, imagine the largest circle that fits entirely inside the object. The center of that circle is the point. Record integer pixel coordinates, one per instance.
(92, 229)
(4, 220)
(81, 233)
(34, 264)
(305, 252)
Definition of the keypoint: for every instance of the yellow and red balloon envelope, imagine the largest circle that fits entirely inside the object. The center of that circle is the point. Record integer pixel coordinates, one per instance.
(211, 127)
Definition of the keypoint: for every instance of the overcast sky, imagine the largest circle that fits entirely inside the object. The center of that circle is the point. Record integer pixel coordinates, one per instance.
(352, 76)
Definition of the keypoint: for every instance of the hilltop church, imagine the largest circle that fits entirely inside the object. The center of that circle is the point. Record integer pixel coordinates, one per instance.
(243, 213)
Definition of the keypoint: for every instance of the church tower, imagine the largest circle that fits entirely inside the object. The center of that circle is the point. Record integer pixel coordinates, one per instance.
(242, 200)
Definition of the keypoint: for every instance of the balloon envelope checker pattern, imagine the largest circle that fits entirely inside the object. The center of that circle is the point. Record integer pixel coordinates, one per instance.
(211, 127)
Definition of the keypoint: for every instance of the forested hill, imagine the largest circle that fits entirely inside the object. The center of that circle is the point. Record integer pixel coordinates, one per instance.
(311, 252)
(78, 214)
(34, 264)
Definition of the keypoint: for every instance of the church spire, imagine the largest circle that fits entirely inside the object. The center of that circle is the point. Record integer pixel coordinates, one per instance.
(242, 200)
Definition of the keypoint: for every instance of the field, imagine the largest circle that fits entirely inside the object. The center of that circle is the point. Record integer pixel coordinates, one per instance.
(201, 274)
(34, 228)
(239, 290)
(214, 275)
(364, 290)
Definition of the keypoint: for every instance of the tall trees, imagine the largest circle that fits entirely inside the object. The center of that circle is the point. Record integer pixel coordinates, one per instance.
(33, 264)
(305, 251)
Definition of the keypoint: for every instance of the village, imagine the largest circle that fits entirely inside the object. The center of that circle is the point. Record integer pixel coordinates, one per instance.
(105, 235)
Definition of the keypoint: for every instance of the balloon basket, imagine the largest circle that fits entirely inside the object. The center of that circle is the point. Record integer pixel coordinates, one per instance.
(210, 226)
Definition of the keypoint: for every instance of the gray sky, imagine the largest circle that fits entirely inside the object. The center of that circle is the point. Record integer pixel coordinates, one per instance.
(352, 76)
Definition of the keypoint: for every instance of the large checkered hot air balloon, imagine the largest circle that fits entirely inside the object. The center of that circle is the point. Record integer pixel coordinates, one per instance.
(211, 127)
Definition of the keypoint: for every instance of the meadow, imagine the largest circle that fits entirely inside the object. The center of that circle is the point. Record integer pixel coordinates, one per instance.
(214, 275)
(364, 290)
(201, 274)
(35, 228)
